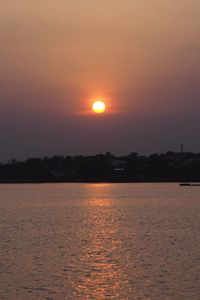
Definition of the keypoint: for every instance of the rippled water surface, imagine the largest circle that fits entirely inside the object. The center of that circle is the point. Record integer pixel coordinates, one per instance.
(99, 241)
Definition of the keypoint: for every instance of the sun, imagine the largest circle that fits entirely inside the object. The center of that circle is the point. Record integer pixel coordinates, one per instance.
(99, 107)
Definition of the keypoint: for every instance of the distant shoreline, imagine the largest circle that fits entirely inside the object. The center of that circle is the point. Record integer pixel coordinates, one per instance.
(182, 167)
(183, 183)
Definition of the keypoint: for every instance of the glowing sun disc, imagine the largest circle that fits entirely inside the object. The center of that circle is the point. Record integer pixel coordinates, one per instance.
(98, 107)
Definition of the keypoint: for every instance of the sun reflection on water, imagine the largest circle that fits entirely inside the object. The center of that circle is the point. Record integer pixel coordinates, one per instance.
(101, 275)
(103, 202)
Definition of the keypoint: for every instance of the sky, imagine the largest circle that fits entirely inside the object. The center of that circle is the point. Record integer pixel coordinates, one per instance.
(141, 57)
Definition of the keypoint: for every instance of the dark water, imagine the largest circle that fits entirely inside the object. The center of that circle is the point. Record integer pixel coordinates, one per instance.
(99, 241)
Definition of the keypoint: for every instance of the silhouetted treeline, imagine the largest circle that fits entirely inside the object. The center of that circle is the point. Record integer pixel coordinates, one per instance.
(169, 166)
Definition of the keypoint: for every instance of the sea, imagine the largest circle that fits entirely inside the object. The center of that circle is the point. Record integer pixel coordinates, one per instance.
(99, 241)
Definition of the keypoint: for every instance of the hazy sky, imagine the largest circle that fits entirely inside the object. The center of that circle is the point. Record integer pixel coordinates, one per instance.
(56, 56)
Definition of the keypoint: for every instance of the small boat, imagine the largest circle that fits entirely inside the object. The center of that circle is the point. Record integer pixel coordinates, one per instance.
(189, 184)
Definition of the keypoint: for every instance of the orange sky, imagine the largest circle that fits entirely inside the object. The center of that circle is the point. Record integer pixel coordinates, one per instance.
(142, 56)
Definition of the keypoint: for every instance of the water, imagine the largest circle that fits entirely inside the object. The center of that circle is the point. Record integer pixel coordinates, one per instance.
(99, 241)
